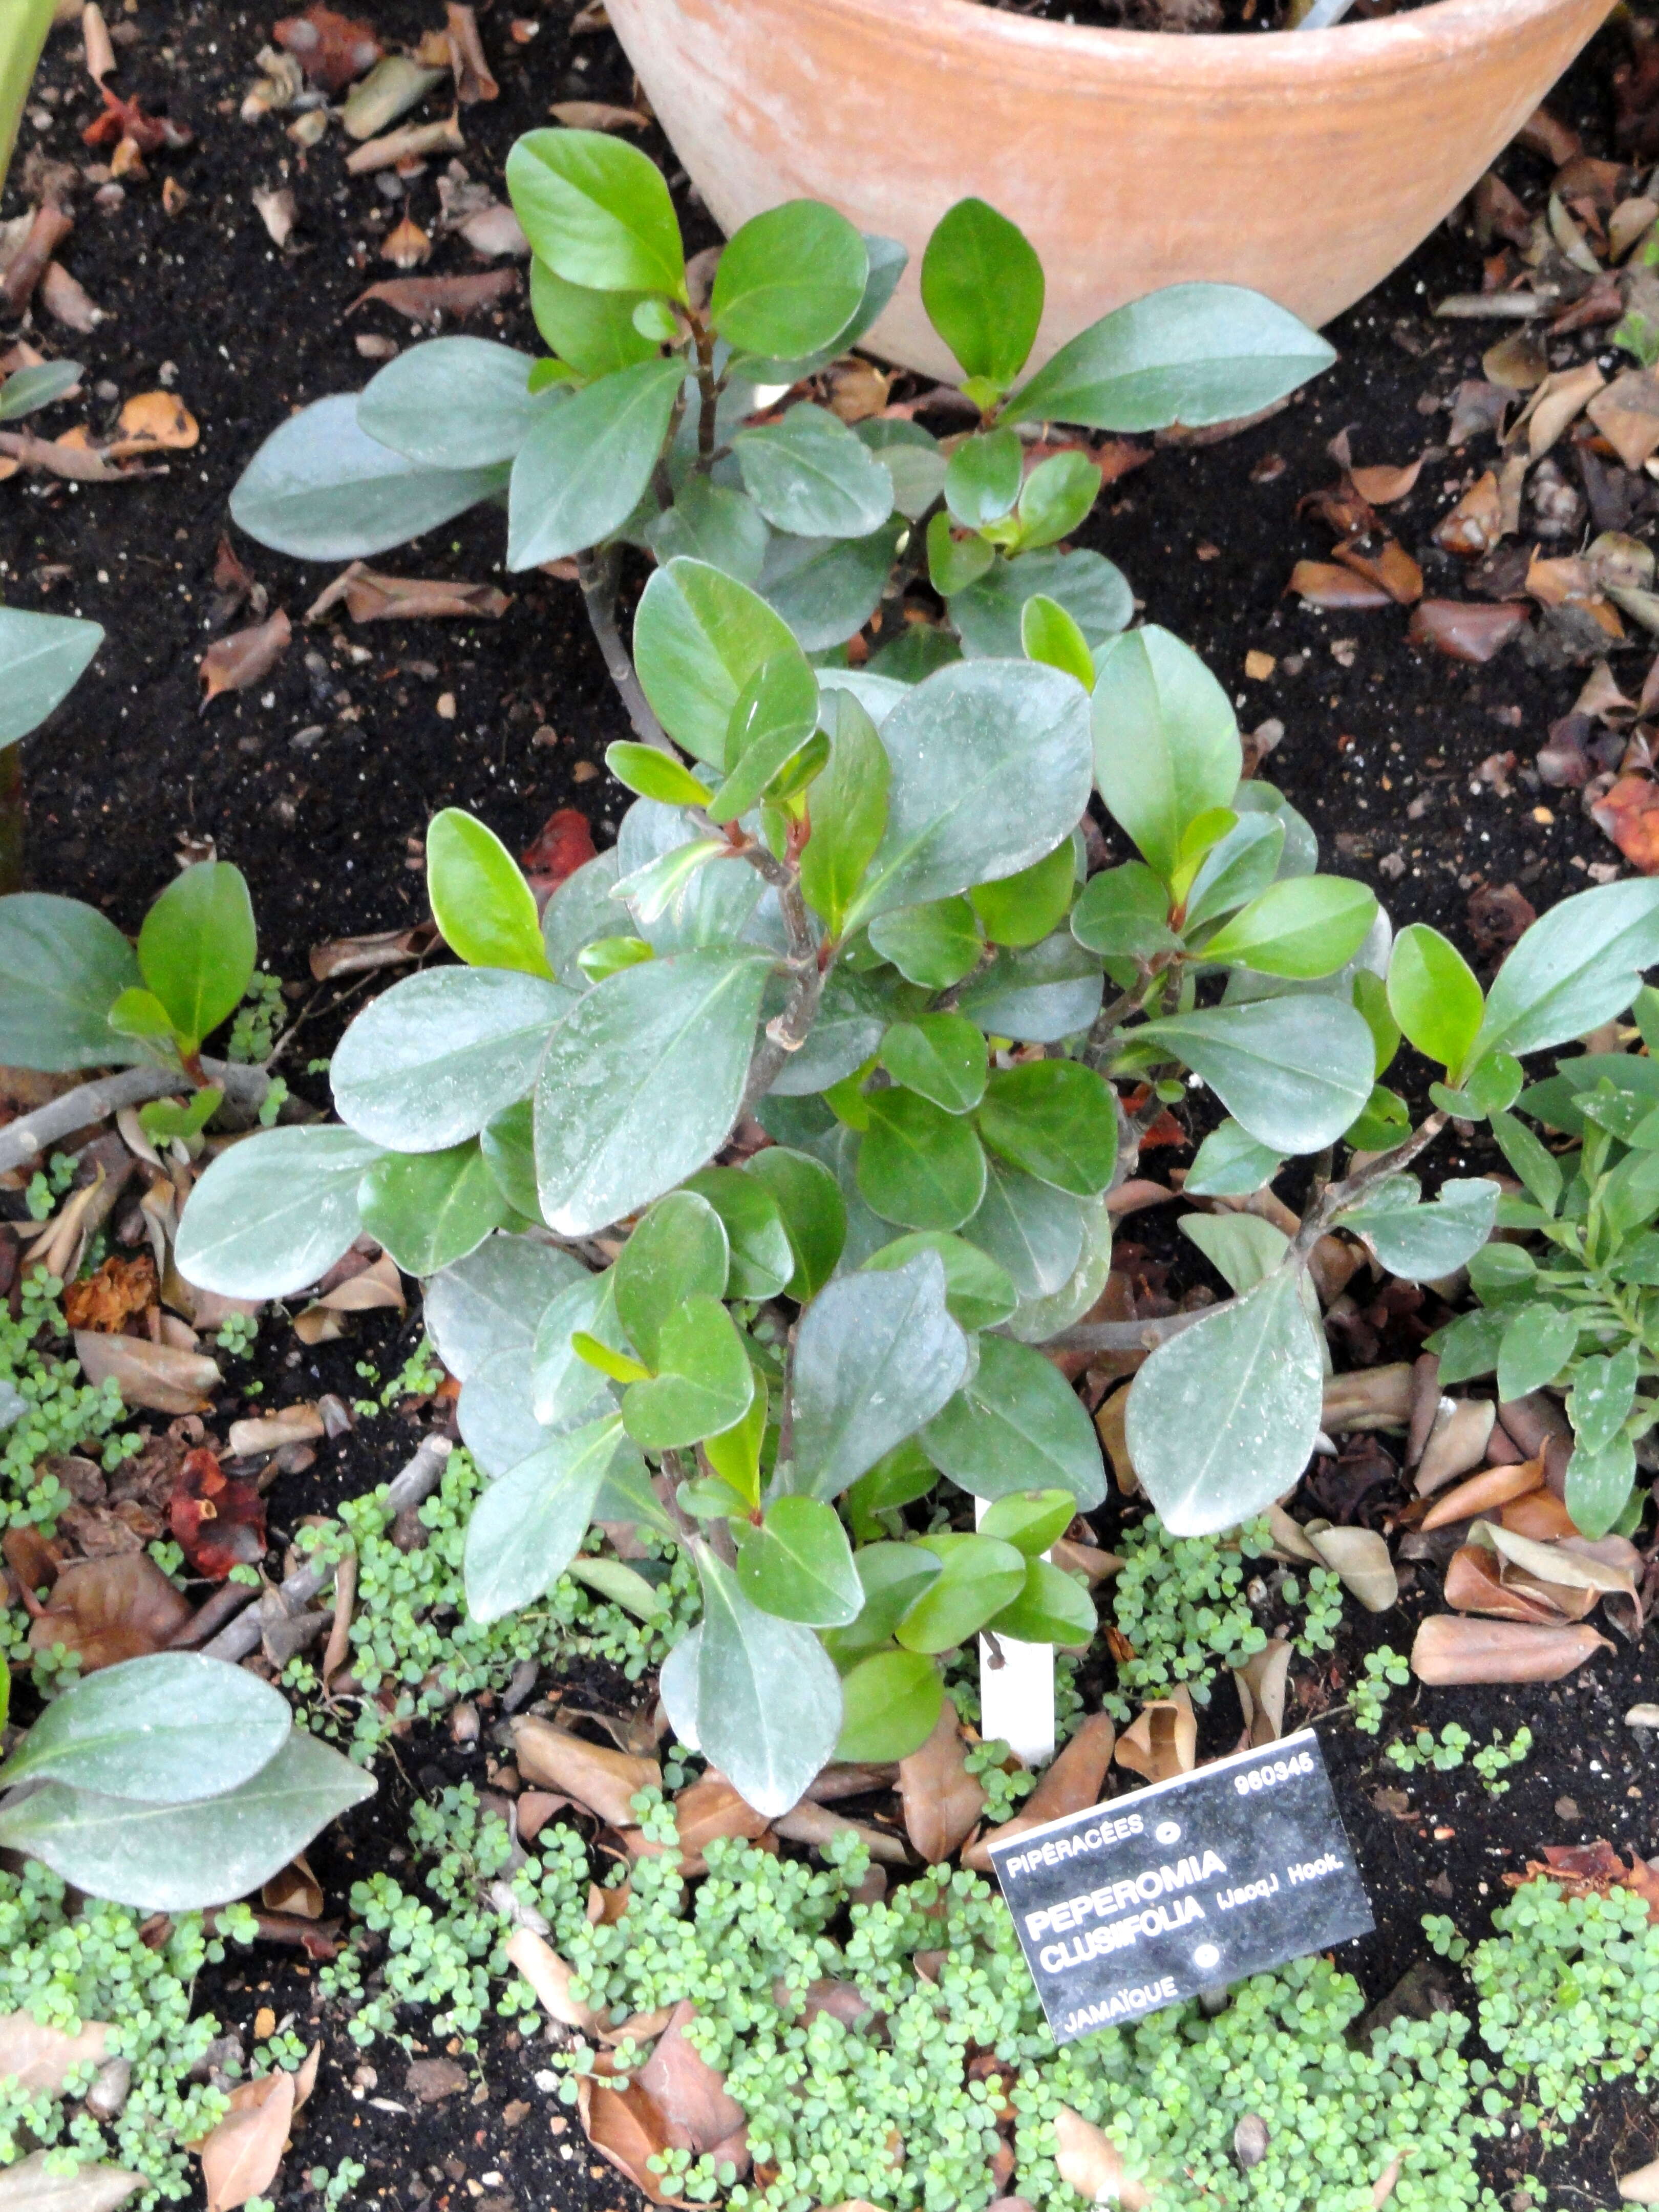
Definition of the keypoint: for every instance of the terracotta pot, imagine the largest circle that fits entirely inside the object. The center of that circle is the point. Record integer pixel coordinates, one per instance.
(1307, 164)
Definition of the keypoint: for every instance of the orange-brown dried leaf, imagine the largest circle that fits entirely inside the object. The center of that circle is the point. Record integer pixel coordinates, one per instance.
(1383, 485)
(218, 1520)
(1540, 1515)
(942, 1800)
(424, 299)
(361, 955)
(1484, 1492)
(295, 1889)
(1090, 2163)
(1629, 815)
(1474, 525)
(1473, 1584)
(1330, 585)
(371, 597)
(42, 2058)
(152, 421)
(240, 2156)
(627, 2131)
(159, 1377)
(601, 1779)
(1161, 1741)
(1453, 1647)
(473, 81)
(597, 115)
(1466, 629)
(107, 1299)
(1073, 1782)
(690, 2094)
(550, 1977)
(331, 48)
(246, 657)
(111, 1609)
(1384, 561)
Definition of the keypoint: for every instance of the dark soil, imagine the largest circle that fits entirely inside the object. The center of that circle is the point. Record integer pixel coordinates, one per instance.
(318, 784)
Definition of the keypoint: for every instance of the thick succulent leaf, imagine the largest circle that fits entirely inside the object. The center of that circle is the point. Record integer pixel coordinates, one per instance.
(428, 1209)
(1222, 1419)
(1035, 1320)
(789, 281)
(811, 477)
(769, 1706)
(1036, 993)
(165, 1730)
(321, 489)
(597, 210)
(852, 1018)
(1425, 1242)
(1293, 1072)
(1578, 965)
(961, 747)
(581, 911)
(275, 1211)
(1166, 746)
(1017, 1424)
(1031, 1231)
(430, 1061)
(584, 464)
(876, 1356)
(989, 614)
(176, 1858)
(63, 965)
(699, 636)
(527, 1528)
(492, 1300)
(641, 1083)
(42, 659)
(454, 403)
(799, 1565)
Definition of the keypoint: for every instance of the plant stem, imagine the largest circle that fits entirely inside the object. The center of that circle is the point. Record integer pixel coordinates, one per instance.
(23, 27)
(12, 818)
(596, 572)
(24, 1140)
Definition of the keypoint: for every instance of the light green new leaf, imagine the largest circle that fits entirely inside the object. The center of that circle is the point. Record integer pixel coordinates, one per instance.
(1166, 746)
(976, 1290)
(585, 464)
(1434, 996)
(641, 1083)
(981, 284)
(1123, 913)
(197, 945)
(1055, 1119)
(63, 966)
(1238, 867)
(943, 1056)
(1537, 1344)
(789, 281)
(1241, 1246)
(847, 812)
(774, 714)
(680, 1250)
(430, 1061)
(274, 1212)
(876, 1356)
(1029, 1520)
(455, 402)
(1231, 1164)
(960, 745)
(955, 563)
(480, 899)
(140, 1014)
(1032, 1231)
(322, 490)
(918, 1165)
(810, 476)
(1048, 633)
(892, 1703)
(1577, 965)
(1017, 1424)
(491, 1301)
(813, 1211)
(699, 635)
(1192, 354)
(430, 1209)
(1055, 499)
(1052, 1608)
(1222, 1419)
(654, 773)
(42, 659)
(982, 481)
(705, 1383)
(179, 1859)
(593, 331)
(1424, 1243)
(1022, 910)
(165, 1730)
(528, 1525)
(979, 1576)
(769, 1701)
(799, 1565)
(1302, 927)
(597, 211)
(1294, 1072)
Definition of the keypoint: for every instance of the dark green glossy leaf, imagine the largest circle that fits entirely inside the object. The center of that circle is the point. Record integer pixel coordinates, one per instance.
(976, 1290)
(704, 1384)
(978, 1577)
(761, 1259)
(934, 945)
(1017, 1424)
(918, 1165)
(1054, 1119)
(814, 1213)
(1166, 746)
(876, 1356)
(1123, 913)
(892, 1703)
(584, 464)
(63, 966)
(1052, 1608)
(810, 476)
(699, 635)
(1022, 910)
(799, 1565)
(680, 1250)
(789, 281)
(942, 1056)
(430, 1209)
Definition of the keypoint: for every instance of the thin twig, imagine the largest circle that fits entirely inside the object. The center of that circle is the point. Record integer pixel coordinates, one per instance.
(597, 574)
(25, 1140)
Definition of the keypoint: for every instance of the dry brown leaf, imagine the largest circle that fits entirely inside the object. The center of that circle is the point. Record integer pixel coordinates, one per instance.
(246, 657)
(369, 1290)
(690, 2093)
(1262, 1686)
(1556, 404)
(857, 390)
(1628, 813)
(110, 1609)
(807, 1823)
(295, 1889)
(1627, 415)
(1327, 584)
(626, 2129)
(706, 1809)
(70, 457)
(1361, 1557)
(1073, 1782)
(240, 2156)
(1484, 1492)
(1518, 363)
(601, 1779)
(1452, 1648)
(1383, 485)
(42, 2058)
(1542, 1514)
(639, 2027)
(1091, 2163)
(1457, 1442)
(1110, 1419)
(1384, 561)
(268, 1432)
(406, 245)
(361, 955)
(1161, 1741)
(107, 1299)
(597, 115)
(155, 1375)
(941, 1800)
(473, 81)
(1086, 1559)
(67, 301)
(550, 1977)
(1474, 1584)
(424, 299)
(1474, 525)
(28, 2187)
(338, 1650)
(278, 209)
(1566, 1565)
(1369, 1398)
(371, 597)
(331, 48)
(1466, 629)
(1386, 2182)
(1629, 223)
(152, 421)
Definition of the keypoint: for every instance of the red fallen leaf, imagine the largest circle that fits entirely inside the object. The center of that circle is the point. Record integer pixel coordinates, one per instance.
(106, 1299)
(245, 657)
(219, 1521)
(329, 47)
(1464, 630)
(424, 299)
(107, 1610)
(563, 844)
(126, 119)
(1629, 814)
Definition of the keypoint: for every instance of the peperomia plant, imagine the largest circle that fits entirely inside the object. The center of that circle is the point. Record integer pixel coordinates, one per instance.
(169, 1782)
(42, 657)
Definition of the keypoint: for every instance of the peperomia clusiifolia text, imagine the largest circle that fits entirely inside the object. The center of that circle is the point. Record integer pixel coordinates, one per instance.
(851, 906)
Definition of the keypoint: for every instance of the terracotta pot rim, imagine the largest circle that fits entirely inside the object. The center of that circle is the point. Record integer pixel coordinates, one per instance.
(973, 35)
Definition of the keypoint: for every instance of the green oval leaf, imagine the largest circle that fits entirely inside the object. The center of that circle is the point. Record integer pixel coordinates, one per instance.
(813, 1212)
(455, 402)
(760, 1260)
(976, 1290)
(63, 966)
(892, 1703)
(768, 1700)
(1022, 910)
(809, 474)
(799, 1565)
(876, 1356)
(1303, 926)
(274, 1212)
(918, 1165)
(528, 1525)
(1051, 1608)
(1055, 499)
(1048, 633)
(1166, 746)
(164, 1730)
(941, 1056)
(1434, 996)
(1577, 966)
(699, 636)
(42, 659)
(480, 899)
(1293, 1071)
(978, 1577)
(1017, 1424)
(597, 211)
(1056, 1119)
(593, 331)
(430, 1209)
(982, 479)
(427, 1064)
(1537, 1344)
(586, 462)
(789, 281)
(680, 1250)
(198, 947)
(981, 284)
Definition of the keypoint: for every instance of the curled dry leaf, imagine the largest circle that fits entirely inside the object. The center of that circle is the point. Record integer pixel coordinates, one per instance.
(1288, 1536)
(1086, 1559)
(601, 1779)
(1073, 1781)
(1091, 2163)
(107, 1299)
(1628, 813)
(331, 48)
(1451, 1648)
(563, 844)
(1542, 1514)
(41, 2058)
(268, 1432)
(1476, 1581)
(1369, 1398)
(627, 2131)
(690, 2093)
(246, 657)
(1572, 1566)
(1466, 629)
(361, 956)
(1327, 584)
(1627, 415)
(278, 210)
(1110, 1418)
(424, 299)
(372, 597)
(218, 1520)
(415, 141)
(815, 1824)
(339, 1647)
(240, 2156)
(1384, 561)
(155, 1375)
(942, 1800)
(597, 115)
(1518, 361)
(704, 1810)
(1161, 1741)
(406, 245)
(1361, 1557)
(1384, 485)
(473, 81)
(1387, 2182)
(151, 421)
(1262, 1686)
(295, 1889)
(1474, 525)
(1484, 1492)
(1457, 1442)
(550, 1977)
(67, 301)
(1556, 404)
